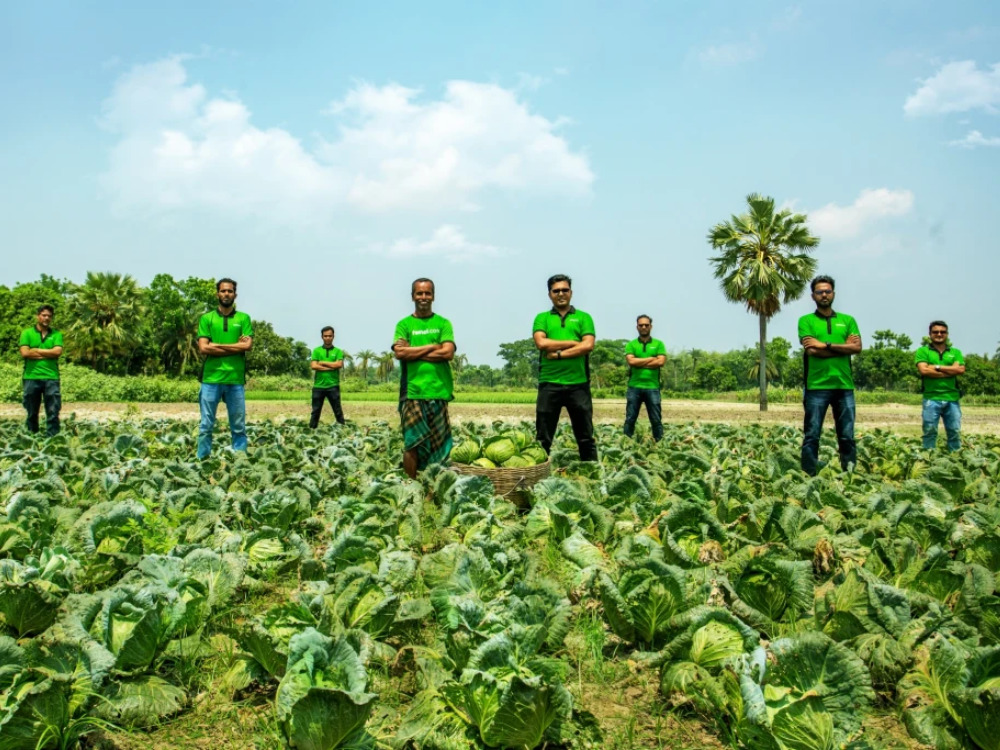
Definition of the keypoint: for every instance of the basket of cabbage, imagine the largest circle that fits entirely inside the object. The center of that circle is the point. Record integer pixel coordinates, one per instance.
(512, 459)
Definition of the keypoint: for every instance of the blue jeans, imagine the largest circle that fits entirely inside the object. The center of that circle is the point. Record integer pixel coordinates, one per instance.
(815, 403)
(236, 409)
(634, 399)
(948, 412)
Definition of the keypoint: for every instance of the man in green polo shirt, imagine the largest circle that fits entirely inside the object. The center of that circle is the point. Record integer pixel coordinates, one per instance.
(829, 339)
(644, 356)
(327, 362)
(425, 345)
(40, 347)
(225, 335)
(564, 337)
(939, 365)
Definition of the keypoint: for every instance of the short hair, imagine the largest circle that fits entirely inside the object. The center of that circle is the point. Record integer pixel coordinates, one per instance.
(646, 317)
(220, 282)
(421, 280)
(48, 307)
(821, 280)
(560, 277)
(324, 329)
(937, 323)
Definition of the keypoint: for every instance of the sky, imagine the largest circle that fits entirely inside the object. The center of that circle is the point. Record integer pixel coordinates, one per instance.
(325, 154)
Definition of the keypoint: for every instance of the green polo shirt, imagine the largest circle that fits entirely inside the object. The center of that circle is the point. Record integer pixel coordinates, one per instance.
(425, 380)
(573, 327)
(644, 377)
(40, 369)
(230, 369)
(828, 372)
(327, 378)
(940, 389)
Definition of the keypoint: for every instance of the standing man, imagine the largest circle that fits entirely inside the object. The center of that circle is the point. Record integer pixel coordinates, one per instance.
(828, 340)
(41, 347)
(225, 335)
(939, 365)
(644, 356)
(425, 345)
(564, 337)
(327, 362)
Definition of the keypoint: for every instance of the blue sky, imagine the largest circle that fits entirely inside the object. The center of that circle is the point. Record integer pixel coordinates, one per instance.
(325, 154)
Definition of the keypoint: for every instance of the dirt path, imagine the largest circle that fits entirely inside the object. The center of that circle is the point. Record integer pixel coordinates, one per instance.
(897, 417)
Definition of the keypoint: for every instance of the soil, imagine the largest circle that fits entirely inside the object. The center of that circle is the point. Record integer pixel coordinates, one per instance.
(897, 417)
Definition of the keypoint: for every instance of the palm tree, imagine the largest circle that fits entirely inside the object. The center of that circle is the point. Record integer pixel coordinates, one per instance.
(179, 337)
(106, 312)
(348, 363)
(458, 363)
(386, 364)
(765, 262)
(366, 356)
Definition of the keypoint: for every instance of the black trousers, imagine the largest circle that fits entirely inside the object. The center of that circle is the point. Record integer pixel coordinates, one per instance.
(318, 397)
(34, 392)
(552, 397)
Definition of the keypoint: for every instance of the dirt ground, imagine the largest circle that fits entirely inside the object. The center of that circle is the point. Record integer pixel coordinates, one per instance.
(897, 417)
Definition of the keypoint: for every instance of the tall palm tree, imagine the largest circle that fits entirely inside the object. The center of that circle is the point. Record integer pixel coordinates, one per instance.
(348, 363)
(106, 312)
(386, 365)
(458, 363)
(179, 337)
(366, 356)
(764, 263)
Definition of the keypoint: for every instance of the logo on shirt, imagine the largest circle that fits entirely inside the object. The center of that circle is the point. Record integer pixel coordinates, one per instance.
(427, 331)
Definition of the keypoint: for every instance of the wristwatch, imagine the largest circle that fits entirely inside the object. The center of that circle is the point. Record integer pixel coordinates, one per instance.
(559, 354)
(937, 367)
(827, 344)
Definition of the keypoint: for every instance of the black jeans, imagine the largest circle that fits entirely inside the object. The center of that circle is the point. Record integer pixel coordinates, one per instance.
(552, 397)
(34, 392)
(319, 396)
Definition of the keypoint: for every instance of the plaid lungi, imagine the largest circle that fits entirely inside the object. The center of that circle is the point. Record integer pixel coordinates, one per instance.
(426, 429)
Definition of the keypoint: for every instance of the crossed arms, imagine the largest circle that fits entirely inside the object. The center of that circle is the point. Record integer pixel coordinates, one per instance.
(553, 349)
(649, 363)
(927, 370)
(326, 366)
(443, 352)
(28, 352)
(206, 347)
(816, 348)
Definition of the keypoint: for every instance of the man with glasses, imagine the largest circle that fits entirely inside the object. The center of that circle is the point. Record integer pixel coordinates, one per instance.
(564, 337)
(939, 365)
(644, 356)
(829, 339)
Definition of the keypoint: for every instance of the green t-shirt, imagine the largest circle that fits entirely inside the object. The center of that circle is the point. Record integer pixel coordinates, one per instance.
(40, 369)
(645, 377)
(940, 389)
(828, 372)
(327, 378)
(573, 327)
(425, 380)
(230, 369)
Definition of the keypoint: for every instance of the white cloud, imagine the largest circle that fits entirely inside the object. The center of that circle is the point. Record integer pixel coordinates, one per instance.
(846, 222)
(956, 87)
(975, 139)
(722, 55)
(447, 242)
(178, 147)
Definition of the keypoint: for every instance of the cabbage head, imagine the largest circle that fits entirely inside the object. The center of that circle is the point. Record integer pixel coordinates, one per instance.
(499, 449)
(518, 462)
(321, 701)
(484, 463)
(465, 452)
(536, 453)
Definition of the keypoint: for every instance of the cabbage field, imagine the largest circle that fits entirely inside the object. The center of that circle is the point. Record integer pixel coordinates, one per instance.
(699, 592)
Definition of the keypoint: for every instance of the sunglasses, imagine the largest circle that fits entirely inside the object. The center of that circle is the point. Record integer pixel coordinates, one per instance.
(562, 291)
(943, 333)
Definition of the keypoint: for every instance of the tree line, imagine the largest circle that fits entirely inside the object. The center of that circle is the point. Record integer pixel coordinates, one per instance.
(115, 326)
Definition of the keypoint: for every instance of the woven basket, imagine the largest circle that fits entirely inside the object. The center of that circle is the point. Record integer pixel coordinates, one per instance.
(508, 481)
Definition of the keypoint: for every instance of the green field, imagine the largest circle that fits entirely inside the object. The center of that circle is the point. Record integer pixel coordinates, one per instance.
(463, 397)
(656, 599)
